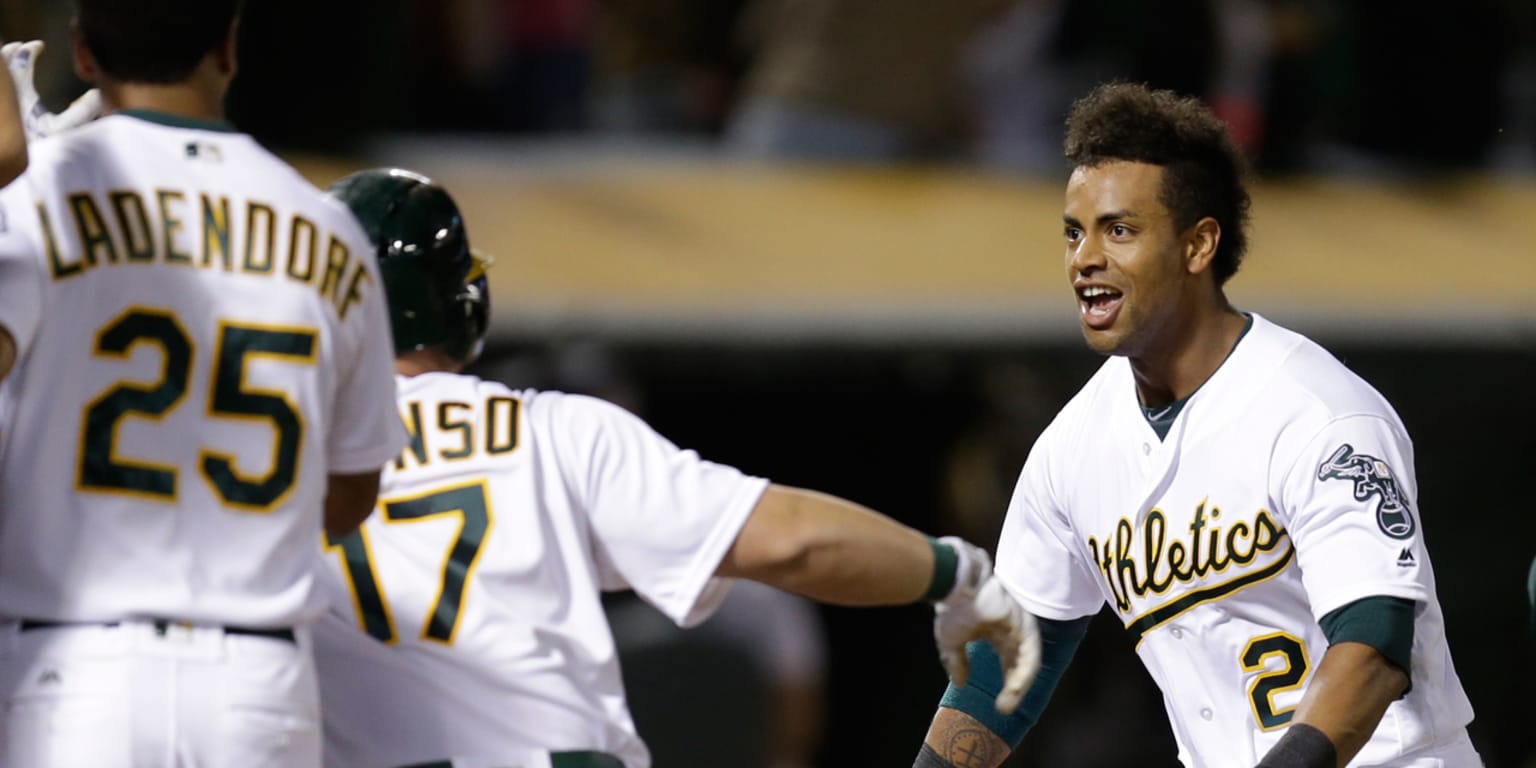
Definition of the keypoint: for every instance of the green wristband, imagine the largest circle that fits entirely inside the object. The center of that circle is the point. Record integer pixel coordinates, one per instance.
(946, 562)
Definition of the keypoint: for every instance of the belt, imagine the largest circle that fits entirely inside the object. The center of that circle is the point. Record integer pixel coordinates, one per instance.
(556, 760)
(161, 626)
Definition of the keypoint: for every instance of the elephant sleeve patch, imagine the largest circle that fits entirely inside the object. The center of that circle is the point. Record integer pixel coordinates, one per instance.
(1372, 477)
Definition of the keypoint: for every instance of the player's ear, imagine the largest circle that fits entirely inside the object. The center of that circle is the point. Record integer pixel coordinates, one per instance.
(85, 62)
(1200, 242)
(226, 52)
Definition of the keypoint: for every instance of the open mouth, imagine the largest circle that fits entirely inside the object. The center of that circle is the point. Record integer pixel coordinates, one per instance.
(1099, 305)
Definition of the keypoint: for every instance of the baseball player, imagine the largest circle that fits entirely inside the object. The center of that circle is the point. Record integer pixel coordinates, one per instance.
(1243, 502)
(467, 628)
(202, 378)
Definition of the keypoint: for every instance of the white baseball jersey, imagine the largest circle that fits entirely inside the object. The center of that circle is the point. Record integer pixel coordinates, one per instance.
(467, 620)
(1284, 489)
(204, 340)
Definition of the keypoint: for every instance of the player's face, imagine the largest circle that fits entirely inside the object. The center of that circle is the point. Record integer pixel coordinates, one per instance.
(1124, 257)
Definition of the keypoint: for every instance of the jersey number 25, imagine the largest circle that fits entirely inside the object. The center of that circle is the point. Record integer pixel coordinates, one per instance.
(101, 469)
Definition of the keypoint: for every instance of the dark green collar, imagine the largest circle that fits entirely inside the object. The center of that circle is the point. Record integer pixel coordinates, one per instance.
(1161, 419)
(178, 121)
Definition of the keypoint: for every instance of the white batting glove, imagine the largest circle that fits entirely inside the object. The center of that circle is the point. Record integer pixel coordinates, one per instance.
(36, 120)
(980, 608)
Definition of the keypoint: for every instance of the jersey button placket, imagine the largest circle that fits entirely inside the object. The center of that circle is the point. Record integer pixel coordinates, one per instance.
(1206, 713)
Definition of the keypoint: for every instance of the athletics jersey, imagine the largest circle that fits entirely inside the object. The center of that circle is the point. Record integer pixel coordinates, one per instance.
(1284, 489)
(204, 339)
(467, 620)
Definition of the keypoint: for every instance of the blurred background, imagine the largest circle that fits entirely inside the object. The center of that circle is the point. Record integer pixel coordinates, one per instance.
(820, 240)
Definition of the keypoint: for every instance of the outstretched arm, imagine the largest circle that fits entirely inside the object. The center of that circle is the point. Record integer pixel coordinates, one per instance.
(831, 550)
(835, 551)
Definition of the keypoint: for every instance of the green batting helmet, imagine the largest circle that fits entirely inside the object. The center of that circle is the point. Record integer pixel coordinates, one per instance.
(435, 283)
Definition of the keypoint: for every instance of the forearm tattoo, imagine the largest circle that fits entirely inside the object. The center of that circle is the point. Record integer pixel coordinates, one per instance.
(969, 745)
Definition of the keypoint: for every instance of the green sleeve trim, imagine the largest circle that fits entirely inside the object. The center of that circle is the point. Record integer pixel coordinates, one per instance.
(1058, 643)
(945, 564)
(1383, 623)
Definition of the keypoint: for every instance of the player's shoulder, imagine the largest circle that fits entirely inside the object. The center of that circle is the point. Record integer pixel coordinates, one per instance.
(582, 413)
(1314, 382)
(579, 424)
(312, 199)
(54, 157)
(1094, 403)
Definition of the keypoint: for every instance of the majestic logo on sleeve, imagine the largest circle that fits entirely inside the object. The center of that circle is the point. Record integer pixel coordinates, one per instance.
(1372, 477)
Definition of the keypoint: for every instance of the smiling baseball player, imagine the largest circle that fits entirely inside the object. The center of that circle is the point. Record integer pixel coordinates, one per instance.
(1240, 500)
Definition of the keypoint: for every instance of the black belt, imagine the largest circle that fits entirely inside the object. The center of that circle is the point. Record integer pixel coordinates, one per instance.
(161, 626)
(556, 759)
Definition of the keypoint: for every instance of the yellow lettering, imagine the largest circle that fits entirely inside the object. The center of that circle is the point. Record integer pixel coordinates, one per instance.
(216, 231)
(303, 230)
(418, 444)
(336, 258)
(354, 293)
(493, 419)
(134, 221)
(260, 226)
(60, 269)
(446, 424)
(92, 230)
(171, 224)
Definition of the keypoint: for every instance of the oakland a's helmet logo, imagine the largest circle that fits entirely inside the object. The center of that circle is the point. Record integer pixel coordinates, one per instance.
(1372, 477)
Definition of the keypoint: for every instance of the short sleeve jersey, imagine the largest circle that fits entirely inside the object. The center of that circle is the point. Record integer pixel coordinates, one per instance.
(468, 621)
(1284, 489)
(204, 340)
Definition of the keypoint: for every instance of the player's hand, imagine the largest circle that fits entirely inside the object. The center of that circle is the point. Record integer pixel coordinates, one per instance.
(981, 609)
(36, 120)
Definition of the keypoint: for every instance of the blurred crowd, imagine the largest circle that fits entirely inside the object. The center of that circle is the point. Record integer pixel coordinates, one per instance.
(1305, 84)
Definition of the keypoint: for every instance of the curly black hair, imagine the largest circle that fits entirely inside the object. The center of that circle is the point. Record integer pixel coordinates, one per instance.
(1203, 171)
(153, 41)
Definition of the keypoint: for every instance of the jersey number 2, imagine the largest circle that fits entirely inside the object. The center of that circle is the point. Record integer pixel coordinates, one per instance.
(1293, 670)
(473, 509)
(101, 469)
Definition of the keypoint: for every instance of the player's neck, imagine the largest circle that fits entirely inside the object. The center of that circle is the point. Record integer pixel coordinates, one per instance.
(164, 99)
(417, 362)
(200, 96)
(1195, 348)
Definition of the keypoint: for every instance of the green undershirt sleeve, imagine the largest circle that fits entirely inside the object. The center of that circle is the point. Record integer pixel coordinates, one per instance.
(1383, 623)
(1059, 641)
